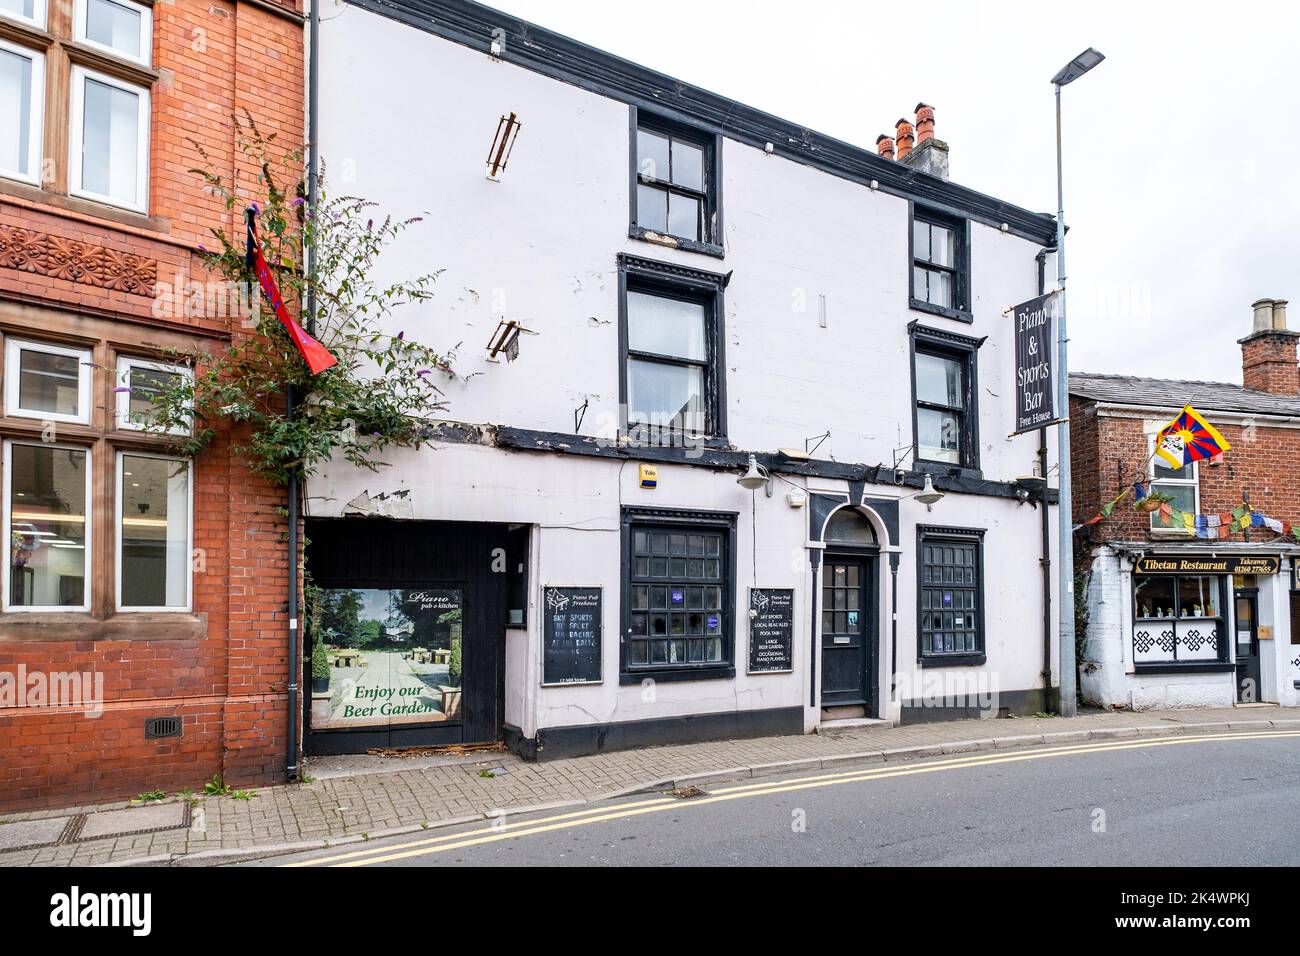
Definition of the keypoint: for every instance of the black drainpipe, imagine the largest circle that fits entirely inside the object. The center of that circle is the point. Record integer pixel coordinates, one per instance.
(812, 646)
(893, 618)
(1045, 562)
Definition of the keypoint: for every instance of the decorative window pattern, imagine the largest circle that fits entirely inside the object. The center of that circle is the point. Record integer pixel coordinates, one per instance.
(1178, 618)
(951, 606)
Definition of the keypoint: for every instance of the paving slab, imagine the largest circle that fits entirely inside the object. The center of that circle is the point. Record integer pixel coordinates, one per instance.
(155, 816)
(28, 834)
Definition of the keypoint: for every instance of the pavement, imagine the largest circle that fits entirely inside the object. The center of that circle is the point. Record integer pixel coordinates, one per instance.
(349, 801)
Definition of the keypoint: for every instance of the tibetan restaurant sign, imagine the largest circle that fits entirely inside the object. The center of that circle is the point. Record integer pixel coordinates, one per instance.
(1208, 564)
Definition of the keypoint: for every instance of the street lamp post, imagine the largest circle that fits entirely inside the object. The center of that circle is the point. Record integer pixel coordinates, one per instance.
(1068, 705)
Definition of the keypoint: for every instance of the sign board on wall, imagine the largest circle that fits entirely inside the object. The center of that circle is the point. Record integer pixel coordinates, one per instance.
(771, 630)
(571, 631)
(392, 656)
(1207, 564)
(1035, 370)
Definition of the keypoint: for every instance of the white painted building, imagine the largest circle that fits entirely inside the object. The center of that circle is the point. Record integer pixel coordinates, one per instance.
(770, 292)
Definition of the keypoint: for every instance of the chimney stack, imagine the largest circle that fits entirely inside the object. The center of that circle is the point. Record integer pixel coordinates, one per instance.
(885, 146)
(930, 155)
(1268, 354)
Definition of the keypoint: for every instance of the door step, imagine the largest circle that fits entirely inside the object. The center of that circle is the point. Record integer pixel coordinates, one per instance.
(1260, 703)
(852, 723)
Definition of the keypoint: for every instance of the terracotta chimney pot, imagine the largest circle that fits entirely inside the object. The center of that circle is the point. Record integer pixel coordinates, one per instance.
(885, 146)
(924, 122)
(904, 137)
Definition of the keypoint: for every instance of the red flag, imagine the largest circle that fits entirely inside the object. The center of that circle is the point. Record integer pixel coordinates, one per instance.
(317, 356)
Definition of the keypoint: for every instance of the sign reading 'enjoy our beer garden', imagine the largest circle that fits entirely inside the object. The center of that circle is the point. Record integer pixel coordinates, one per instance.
(1035, 371)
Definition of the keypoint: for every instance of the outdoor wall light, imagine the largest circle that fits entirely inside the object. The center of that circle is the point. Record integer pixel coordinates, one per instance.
(928, 495)
(755, 477)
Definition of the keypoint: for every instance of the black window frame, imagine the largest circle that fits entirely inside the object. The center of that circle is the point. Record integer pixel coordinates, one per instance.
(724, 522)
(1224, 594)
(934, 534)
(962, 309)
(665, 279)
(964, 349)
(710, 241)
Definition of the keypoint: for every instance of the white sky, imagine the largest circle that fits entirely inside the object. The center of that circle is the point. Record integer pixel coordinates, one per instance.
(1182, 149)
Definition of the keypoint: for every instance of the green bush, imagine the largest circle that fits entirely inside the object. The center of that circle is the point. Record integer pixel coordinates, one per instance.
(453, 666)
(320, 665)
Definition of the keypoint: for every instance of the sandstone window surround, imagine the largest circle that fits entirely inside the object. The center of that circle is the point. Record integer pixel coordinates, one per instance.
(78, 77)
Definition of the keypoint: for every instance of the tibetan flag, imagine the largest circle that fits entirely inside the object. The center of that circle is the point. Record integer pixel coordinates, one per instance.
(317, 356)
(1189, 438)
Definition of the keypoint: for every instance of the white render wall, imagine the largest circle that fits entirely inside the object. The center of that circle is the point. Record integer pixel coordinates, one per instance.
(410, 129)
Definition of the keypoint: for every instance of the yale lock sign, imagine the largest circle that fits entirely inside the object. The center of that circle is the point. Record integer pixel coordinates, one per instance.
(649, 475)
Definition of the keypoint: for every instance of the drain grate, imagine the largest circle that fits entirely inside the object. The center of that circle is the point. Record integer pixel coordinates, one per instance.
(687, 793)
(156, 728)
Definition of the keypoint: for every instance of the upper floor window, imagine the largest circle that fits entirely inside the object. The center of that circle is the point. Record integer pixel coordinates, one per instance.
(29, 11)
(140, 382)
(49, 382)
(22, 95)
(1182, 485)
(947, 411)
(117, 26)
(675, 184)
(672, 366)
(109, 158)
(940, 265)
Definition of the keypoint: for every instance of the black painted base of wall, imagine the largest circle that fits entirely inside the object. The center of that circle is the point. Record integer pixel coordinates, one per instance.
(1019, 703)
(552, 743)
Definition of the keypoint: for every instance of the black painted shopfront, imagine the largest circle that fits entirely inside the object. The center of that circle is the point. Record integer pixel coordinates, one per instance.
(404, 631)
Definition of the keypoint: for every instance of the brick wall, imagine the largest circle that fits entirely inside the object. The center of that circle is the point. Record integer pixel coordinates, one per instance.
(226, 680)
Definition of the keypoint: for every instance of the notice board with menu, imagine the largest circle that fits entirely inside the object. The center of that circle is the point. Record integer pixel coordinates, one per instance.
(571, 633)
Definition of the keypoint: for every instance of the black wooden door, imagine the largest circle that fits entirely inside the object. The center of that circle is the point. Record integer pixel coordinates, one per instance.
(848, 632)
(1247, 647)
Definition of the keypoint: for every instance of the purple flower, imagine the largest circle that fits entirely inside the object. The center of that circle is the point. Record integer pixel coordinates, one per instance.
(121, 388)
(369, 224)
(202, 247)
(297, 201)
(257, 210)
(424, 371)
(401, 335)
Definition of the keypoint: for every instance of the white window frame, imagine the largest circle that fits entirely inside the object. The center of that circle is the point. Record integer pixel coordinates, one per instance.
(37, 19)
(189, 536)
(125, 363)
(1194, 482)
(5, 505)
(35, 148)
(77, 123)
(80, 18)
(13, 379)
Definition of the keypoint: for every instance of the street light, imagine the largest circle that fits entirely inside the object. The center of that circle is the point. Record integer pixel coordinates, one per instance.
(1068, 705)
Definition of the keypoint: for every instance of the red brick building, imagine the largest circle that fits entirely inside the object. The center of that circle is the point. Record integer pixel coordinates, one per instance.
(161, 581)
(1195, 616)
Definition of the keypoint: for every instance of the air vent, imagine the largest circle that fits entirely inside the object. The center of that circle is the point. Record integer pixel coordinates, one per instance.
(157, 727)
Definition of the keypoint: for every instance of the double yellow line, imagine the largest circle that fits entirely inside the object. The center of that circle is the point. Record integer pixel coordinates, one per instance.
(503, 830)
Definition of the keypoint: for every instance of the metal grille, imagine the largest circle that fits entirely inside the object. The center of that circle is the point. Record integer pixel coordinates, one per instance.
(159, 727)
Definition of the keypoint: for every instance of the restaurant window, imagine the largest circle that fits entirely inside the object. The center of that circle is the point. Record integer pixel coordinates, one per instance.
(950, 596)
(139, 385)
(116, 26)
(672, 369)
(1178, 619)
(675, 183)
(48, 382)
(22, 111)
(679, 596)
(940, 273)
(46, 491)
(946, 410)
(153, 525)
(109, 158)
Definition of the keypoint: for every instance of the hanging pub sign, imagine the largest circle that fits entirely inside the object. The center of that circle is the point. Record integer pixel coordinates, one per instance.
(771, 630)
(1208, 564)
(571, 635)
(1035, 371)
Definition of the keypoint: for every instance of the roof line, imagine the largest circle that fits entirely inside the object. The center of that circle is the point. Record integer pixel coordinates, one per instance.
(552, 54)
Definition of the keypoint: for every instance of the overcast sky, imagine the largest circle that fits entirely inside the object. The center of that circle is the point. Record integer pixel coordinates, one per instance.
(1182, 149)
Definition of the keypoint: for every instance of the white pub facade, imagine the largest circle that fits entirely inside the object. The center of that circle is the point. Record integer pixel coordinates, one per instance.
(697, 283)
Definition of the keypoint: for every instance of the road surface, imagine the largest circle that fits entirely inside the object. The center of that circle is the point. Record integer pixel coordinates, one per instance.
(1180, 801)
